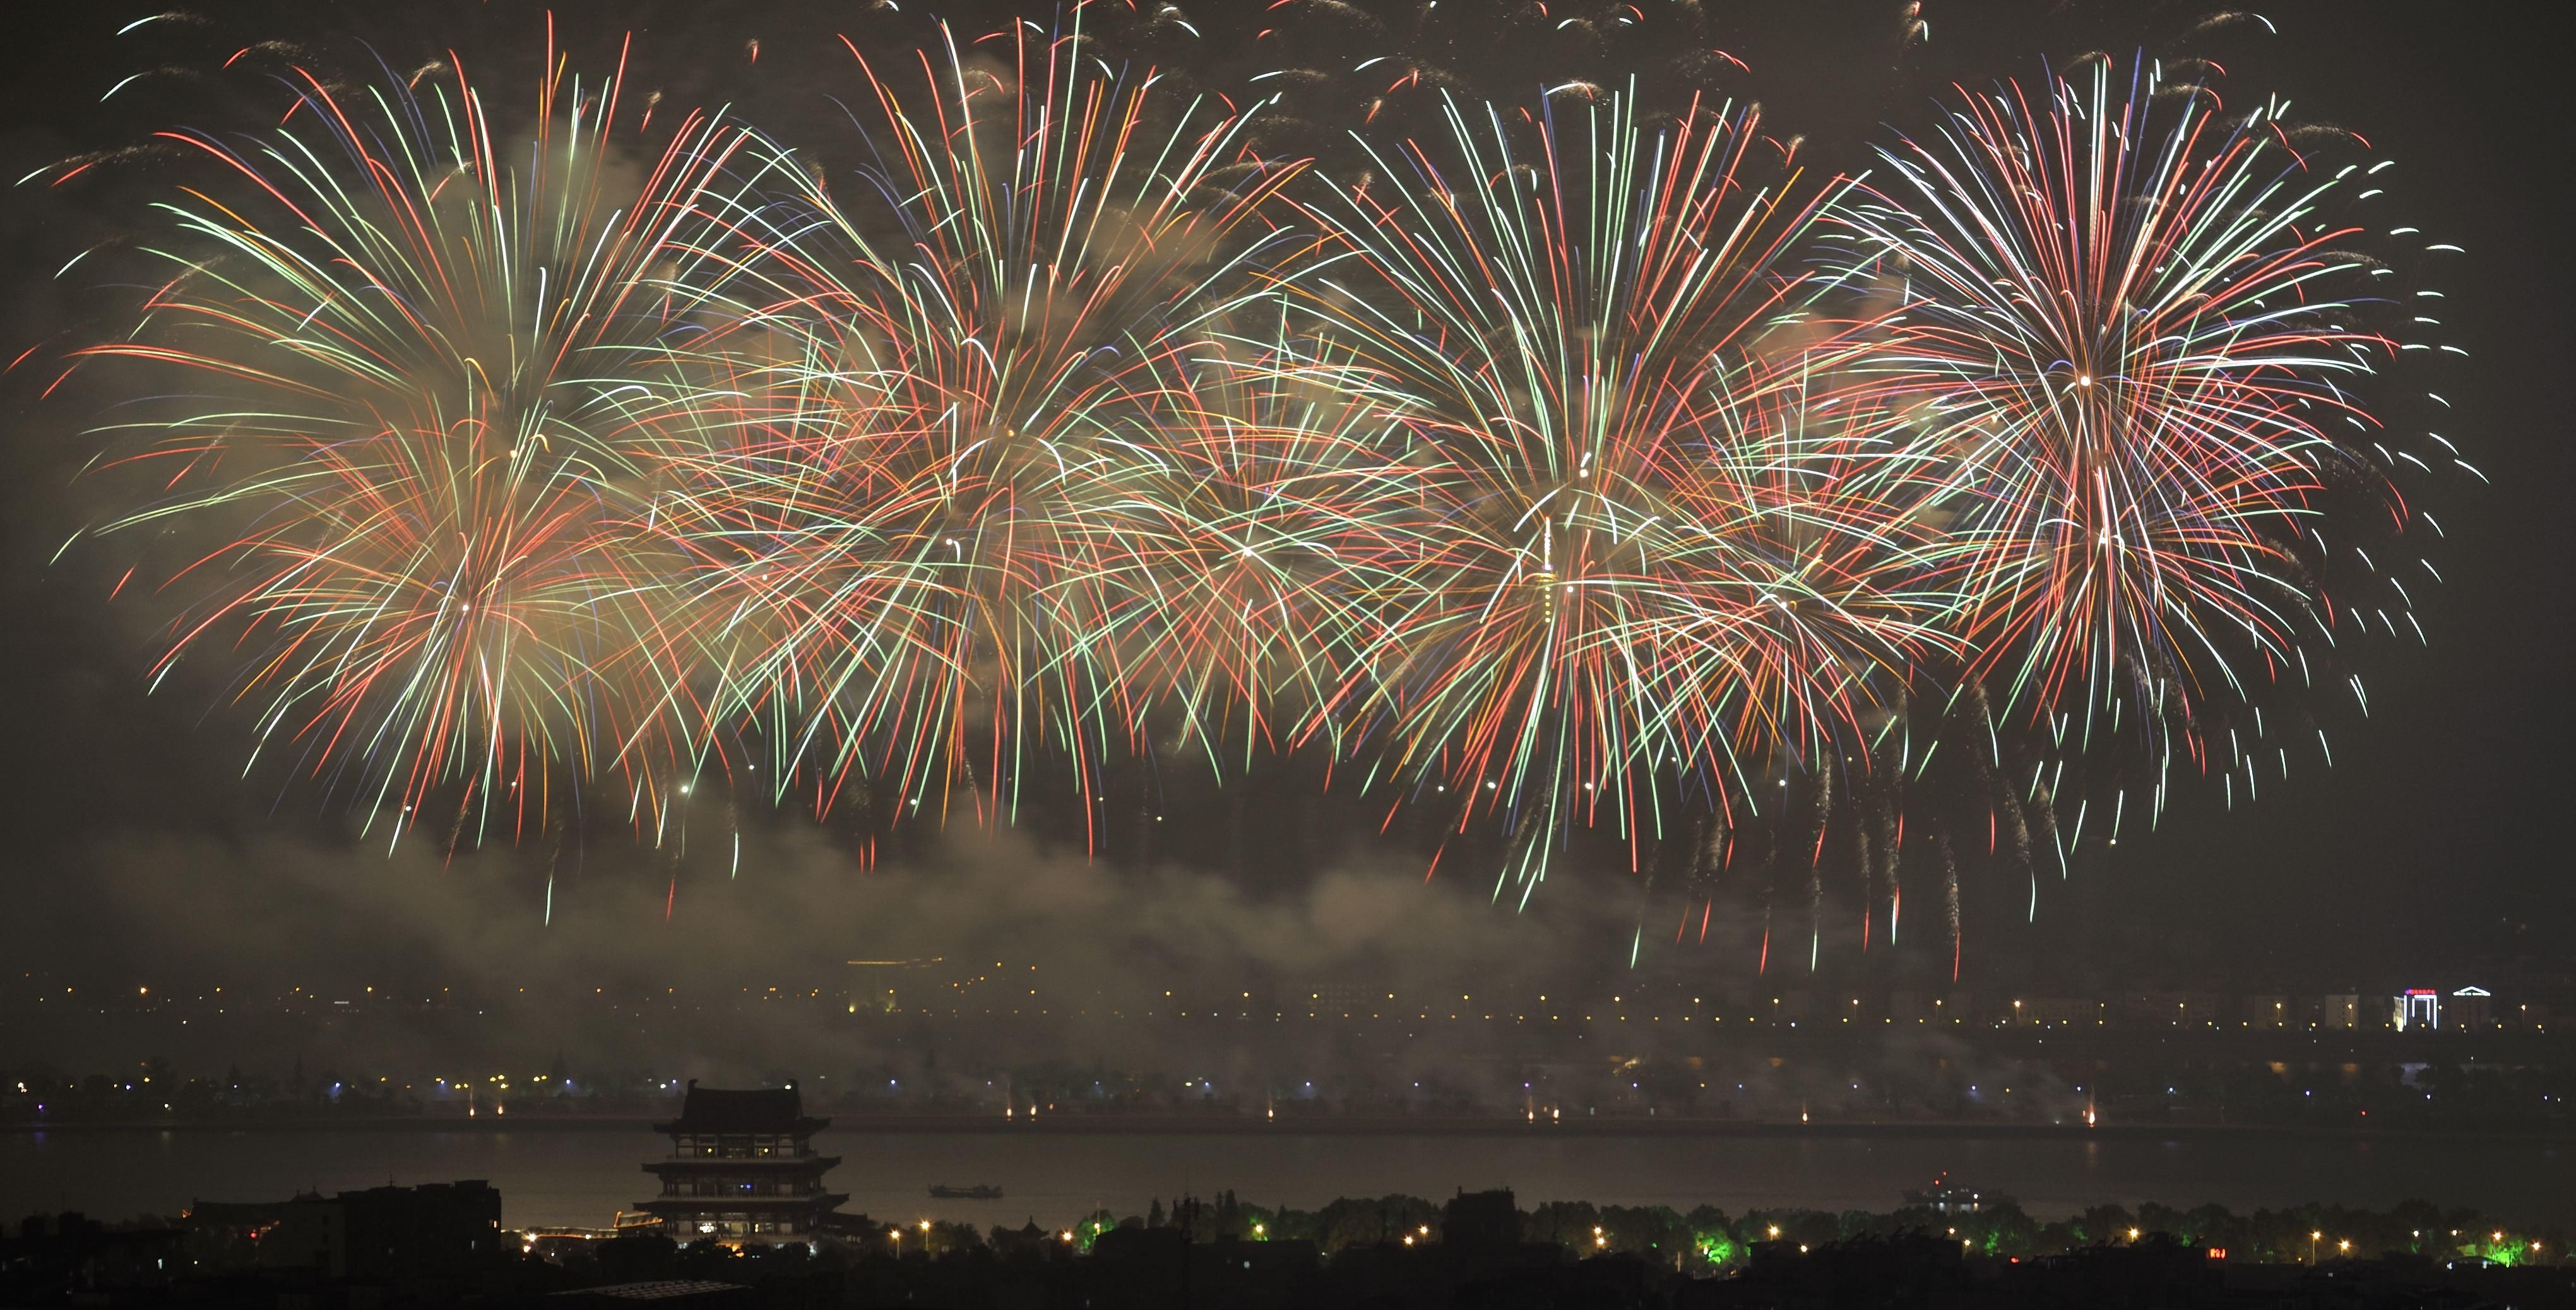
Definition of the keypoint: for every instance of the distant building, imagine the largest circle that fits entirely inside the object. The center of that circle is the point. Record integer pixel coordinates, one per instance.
(2267, 1011)
(742, 1168)
(1946, 1197)
(2473, 1007)
(2339, 1010)
(2416, 1007)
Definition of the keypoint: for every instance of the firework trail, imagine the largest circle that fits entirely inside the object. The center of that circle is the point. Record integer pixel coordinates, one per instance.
(1950, 902)
(1824, 808)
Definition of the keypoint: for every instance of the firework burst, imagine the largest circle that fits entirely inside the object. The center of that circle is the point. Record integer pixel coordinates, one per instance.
(398, 490)
(2127, 373)
(1634, 571)
(1557, 468)
(957, 505)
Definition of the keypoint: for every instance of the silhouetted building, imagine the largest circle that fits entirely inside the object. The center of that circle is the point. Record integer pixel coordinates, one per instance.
(2158, 1271)
(742, 1168)
(1163, 1269)
(1482, 1220)
(1908, 1271)
(433, 1231)
(50, 1256)
(229, 1234)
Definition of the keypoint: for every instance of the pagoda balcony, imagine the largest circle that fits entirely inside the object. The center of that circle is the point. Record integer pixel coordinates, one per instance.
(782, 1164)
(669, 1206)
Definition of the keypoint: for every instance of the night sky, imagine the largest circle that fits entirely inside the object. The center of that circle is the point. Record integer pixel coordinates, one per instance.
(2435, 842)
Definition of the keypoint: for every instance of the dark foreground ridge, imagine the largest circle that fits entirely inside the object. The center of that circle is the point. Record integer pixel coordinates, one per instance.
(443, 1244)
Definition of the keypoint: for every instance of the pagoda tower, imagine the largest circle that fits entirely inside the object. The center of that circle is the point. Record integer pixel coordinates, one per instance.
(742, 1169)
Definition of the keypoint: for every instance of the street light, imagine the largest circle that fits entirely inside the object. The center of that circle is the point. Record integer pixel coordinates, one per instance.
(2312, 1246)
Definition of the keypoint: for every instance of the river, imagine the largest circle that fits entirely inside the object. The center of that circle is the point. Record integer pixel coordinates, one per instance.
(580, 1176)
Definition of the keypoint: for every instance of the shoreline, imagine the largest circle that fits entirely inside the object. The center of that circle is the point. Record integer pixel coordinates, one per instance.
(1191, 1126)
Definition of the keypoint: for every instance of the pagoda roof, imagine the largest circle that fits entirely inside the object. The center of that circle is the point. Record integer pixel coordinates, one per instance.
(759, 1110)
